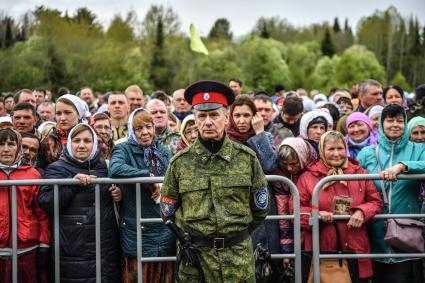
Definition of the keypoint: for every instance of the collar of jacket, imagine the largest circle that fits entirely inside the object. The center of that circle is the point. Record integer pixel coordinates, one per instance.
(318, 168)
(225, 152)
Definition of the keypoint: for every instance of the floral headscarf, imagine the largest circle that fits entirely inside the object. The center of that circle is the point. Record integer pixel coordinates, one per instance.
(332, 170)
(305, 152)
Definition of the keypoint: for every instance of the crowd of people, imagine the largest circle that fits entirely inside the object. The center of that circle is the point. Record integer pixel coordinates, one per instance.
(123, 134)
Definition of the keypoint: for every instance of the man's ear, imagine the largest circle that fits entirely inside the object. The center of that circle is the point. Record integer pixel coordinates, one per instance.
(226, 115)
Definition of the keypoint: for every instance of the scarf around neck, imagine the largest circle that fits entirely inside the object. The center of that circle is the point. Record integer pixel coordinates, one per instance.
(152, 157)
(234, 134)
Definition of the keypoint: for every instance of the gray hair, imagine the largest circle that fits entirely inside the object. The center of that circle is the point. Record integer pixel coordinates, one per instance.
(364, 85)
(285, 151)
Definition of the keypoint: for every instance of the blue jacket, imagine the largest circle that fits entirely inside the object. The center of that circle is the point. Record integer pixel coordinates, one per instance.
(157, 239)
(263, 146)
(404, 192)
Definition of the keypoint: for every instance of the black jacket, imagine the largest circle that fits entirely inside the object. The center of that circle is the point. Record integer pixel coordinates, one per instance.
(77, 222)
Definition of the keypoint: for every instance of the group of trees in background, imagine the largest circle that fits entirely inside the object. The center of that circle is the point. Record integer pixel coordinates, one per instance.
(50, 48)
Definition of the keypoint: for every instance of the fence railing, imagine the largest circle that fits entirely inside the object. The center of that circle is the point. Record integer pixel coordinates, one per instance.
(137, 181)
(314, 221)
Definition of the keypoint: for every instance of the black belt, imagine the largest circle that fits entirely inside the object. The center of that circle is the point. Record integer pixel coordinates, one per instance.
(219, 243)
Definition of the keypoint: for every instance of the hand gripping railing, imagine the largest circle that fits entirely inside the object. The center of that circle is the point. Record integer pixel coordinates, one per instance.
(137, 181)
(314, 220)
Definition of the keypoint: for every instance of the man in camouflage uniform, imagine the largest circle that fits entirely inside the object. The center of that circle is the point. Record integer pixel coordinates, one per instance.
(216, 191)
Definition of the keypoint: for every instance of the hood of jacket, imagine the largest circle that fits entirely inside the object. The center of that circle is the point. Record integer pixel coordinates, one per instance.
(389, 145)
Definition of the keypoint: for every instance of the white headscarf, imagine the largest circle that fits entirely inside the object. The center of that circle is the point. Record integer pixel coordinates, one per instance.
(310, 116)
(131, 136)
(377, 109)
(80, 105)
(95, 143)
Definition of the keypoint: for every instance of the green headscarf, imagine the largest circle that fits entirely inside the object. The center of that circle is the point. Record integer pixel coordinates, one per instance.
(416, 121)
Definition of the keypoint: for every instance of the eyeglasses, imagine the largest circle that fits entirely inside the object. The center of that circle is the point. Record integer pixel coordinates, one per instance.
(100, 127)
(190, 131)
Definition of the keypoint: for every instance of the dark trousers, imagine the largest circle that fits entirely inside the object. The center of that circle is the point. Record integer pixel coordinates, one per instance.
(401, 272)
(27, 268)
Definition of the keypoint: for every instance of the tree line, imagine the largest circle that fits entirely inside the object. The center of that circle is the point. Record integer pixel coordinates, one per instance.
(50, 48)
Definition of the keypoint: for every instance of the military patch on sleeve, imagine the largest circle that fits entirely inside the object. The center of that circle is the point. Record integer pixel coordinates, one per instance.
(168, 206)
(261, 198)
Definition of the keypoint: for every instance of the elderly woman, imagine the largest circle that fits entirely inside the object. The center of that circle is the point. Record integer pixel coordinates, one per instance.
(294, 155)
(142, 156)
(33, 225)
(393, 155)
(188, 131)
(81, 159)
(359, 199)
(360, 133)
(374, 115)
(416, 129)
(103, 128)
(246, 126)
(70, 110)
(313, 125)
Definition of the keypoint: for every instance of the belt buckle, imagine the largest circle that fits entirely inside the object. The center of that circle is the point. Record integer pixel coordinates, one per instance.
(218, 243)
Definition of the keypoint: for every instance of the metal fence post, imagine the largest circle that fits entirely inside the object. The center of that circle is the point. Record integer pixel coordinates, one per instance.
(98, 241)
(56, 231)
(139, 233)
(14, 237)
(297, 222)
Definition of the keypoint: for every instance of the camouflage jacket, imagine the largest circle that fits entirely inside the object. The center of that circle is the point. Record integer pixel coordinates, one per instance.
(217, 195)
(119, 132)
(169, 139)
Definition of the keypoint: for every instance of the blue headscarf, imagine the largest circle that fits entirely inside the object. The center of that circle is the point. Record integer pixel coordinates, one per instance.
(151, 153)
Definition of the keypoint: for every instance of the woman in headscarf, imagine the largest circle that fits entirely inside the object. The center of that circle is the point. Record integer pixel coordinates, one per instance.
(246, 126)
(82, 159)
(33, 232)
(142, 156)
(173, 123)
(70, 110)
(188, 132)
(359, 199)
(313, 125)
(394, 154)
(360, 133)
(374, 115)
(416, 129)
(294, 156)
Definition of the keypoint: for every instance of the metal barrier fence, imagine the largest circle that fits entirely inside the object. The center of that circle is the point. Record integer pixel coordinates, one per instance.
(137, 181)
(314, 221)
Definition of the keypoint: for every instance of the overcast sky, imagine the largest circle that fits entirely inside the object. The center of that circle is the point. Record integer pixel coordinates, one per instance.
(242, 14)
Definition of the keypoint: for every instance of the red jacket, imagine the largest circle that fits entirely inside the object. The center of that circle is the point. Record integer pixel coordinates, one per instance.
(364, 197)
(33, 223)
